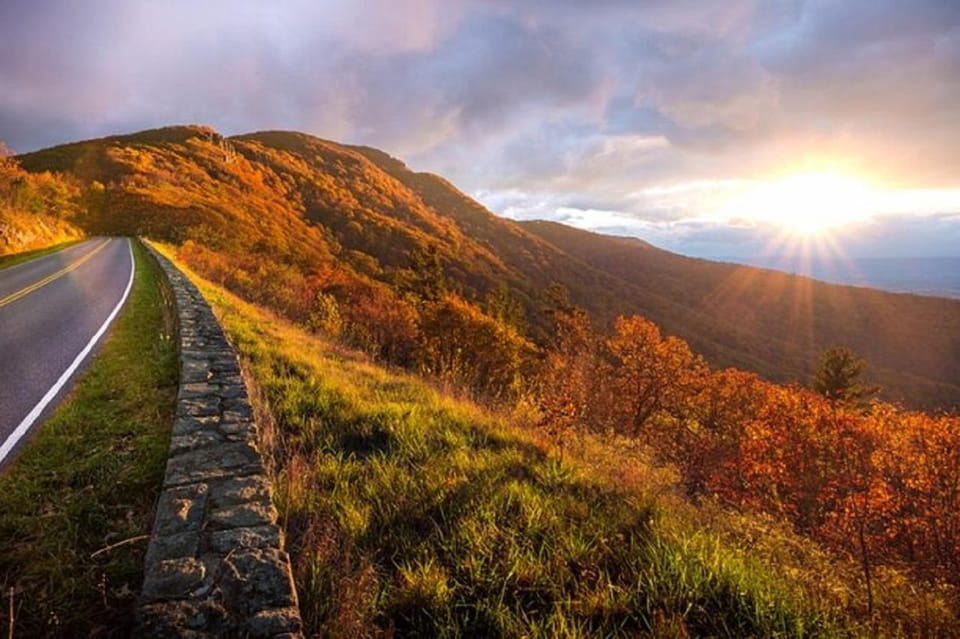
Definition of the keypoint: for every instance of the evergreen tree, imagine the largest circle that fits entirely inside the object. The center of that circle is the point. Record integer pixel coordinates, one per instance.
(838, 377)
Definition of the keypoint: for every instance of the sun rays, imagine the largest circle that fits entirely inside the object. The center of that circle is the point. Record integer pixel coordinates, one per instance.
(804, 204)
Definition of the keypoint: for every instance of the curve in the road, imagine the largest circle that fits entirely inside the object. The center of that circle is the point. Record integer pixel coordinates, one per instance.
(53, 313)
(26, 290)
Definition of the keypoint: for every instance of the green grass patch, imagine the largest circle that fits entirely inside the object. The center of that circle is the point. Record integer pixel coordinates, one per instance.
(410, 514)
(6, 261)
(89, 478)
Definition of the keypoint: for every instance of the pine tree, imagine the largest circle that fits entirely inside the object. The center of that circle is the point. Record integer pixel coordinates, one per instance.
(838, 377)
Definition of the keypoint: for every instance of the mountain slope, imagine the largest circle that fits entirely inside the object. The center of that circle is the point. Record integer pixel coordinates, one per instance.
(36, 210)
(781, 321)
(750, 318)
(295, 222)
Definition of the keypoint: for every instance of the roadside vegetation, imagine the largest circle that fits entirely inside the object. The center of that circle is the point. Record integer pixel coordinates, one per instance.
(411, 513)
(13, 259)
(37, 210)
(78, 500)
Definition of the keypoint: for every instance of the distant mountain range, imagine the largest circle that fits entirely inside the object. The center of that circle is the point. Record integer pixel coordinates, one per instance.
(280, 216)
(937, 276)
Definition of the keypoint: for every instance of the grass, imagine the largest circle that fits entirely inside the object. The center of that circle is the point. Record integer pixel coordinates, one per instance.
(408, 513)
(6, 261)
(80, 496)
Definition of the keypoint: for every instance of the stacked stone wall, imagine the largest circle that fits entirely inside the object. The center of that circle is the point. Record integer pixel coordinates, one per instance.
(215, 565)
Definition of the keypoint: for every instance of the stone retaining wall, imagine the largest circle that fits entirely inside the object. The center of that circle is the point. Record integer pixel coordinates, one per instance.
(215, 565)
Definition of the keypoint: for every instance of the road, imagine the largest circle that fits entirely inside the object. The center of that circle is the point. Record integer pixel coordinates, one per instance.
(54, 311)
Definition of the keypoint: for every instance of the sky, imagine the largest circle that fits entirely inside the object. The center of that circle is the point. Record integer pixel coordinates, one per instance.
(717, 129)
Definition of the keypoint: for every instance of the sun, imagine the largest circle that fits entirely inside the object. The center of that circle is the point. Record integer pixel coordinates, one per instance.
(807, 203)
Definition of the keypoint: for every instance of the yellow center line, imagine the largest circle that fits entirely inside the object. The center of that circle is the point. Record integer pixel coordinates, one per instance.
(13, 297)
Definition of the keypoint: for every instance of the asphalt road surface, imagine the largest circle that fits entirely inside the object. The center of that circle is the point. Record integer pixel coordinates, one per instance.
(54, 311)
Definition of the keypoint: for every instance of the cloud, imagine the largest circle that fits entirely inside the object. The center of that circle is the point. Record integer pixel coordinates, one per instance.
(582, 107)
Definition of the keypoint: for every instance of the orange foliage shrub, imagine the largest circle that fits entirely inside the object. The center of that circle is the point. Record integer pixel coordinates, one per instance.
(882, 484)
(380, 322)
(465, 346)
(36, 209)
(574, 377)
(704, 441)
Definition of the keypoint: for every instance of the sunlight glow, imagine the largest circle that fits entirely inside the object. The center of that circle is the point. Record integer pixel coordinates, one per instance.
(805, 204)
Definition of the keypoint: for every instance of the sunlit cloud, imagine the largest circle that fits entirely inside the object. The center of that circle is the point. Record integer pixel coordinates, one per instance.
(678, 121)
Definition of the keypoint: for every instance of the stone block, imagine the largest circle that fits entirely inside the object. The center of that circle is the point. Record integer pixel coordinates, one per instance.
(233, 378)
(177, 546)
(188, 424)
(181, 509)
(182, 443)
(200, 407)
(206, 464)
(194, 370)
(243, 515)
(256, 580)
(240, 490)
(198, 390)
(173, 578)
(227, 365)
(269, 623)
(233, 391)
(240, 427)
(224, 541)
(236, 410)
(182, 619)
(181, 476)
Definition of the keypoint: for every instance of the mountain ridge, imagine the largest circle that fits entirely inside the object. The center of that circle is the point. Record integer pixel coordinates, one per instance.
(287, 209)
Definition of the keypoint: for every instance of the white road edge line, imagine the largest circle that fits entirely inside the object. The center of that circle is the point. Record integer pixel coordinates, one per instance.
(32, 416)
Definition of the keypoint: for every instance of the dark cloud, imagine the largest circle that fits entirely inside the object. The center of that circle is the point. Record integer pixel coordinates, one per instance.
(563, 109)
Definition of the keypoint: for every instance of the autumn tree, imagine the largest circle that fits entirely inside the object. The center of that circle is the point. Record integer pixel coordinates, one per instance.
(378, 321)
(706, 445)
(503, 307)
(922, 463)
(574, 378)
(653, 373)
(461, 344)
(431, 281)
(325, 315)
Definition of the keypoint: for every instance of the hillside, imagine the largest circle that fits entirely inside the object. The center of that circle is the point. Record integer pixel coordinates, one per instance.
(749, 318)
(410, 513)
(301, 223)
(36, 210)
(774, 323)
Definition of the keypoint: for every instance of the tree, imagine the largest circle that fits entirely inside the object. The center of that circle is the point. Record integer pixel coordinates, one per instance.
(324, 315)
(428, 268)
(572, 378)
(503, 307)
(838, 377)
(706, 447)
(653, 373)
(461, 344)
